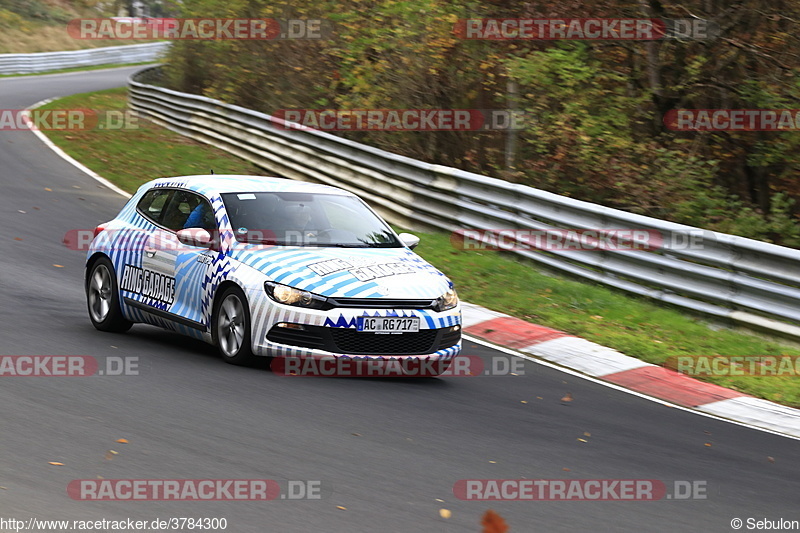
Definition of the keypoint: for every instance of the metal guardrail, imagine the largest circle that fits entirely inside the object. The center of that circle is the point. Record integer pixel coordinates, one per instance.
(46, 61)
(743, 281)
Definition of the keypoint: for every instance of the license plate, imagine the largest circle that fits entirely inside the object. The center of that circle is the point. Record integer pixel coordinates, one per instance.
(387, 324)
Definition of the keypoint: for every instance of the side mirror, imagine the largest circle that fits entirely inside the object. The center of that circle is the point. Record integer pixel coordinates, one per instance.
(409, 240)
(194, 237)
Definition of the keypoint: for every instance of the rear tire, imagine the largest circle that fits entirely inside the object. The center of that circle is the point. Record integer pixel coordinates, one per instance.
(231, 327)
(102, 298)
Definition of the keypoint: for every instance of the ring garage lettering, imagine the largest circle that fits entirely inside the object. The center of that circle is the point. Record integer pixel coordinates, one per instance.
(366, 272)
(148, 283)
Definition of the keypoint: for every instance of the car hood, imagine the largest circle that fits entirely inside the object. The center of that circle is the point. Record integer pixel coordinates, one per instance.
(347, 272)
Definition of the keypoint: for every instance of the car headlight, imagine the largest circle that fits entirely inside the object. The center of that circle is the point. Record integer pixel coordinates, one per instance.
(286, 295)
(447, 300)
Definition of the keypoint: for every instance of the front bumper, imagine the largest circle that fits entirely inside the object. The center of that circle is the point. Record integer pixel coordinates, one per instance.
(333, 333)
(352, 342)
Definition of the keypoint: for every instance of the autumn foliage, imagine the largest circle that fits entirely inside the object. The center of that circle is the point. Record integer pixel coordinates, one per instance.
(598, 133)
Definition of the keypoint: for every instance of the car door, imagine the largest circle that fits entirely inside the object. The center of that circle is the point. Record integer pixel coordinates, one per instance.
(173, 271)
(132, 242)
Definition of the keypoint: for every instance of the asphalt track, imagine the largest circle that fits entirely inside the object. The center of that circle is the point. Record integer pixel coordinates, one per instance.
(387, 451)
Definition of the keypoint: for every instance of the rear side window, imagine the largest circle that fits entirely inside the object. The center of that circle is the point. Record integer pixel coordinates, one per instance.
(152, 204)
(188, 210)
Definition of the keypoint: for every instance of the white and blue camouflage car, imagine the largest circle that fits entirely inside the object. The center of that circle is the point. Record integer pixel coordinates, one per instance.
(269, 267)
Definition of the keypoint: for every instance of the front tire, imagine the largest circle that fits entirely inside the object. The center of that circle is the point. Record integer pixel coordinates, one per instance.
(231, 327)
(102, 298)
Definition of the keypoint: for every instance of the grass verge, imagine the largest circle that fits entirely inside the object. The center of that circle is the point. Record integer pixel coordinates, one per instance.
(634, 326)
(41, 26)
(131, 156)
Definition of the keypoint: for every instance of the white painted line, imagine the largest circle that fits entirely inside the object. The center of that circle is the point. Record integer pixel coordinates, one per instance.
(758, 412)
(585, 356)
(623, 389)
(71, 160)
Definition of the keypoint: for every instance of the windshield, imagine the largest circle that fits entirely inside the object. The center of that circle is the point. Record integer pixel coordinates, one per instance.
(306, 219)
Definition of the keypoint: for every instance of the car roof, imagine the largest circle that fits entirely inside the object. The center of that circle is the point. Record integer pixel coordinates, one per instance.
(210, 184)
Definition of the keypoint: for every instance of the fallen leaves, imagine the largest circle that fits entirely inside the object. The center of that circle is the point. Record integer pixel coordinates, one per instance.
(55, 463)
(122, 441)
(493, 523)
(445, 513)
(567, 397)
(341, 508)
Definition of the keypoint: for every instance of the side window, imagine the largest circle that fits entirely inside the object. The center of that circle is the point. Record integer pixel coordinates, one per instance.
(152, 204)
(188, 210)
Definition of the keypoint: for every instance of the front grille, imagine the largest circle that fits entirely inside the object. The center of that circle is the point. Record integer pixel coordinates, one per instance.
(450, 337)
(357, 342)
(350, 341)
(382, 303)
